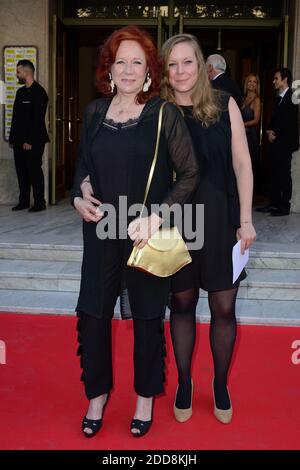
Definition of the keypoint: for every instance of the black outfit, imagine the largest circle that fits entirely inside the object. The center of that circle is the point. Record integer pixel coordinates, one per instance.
(211, 269)
(118, 159)
(284, 123)
(251, 133)
(224, 83)
(28, 126)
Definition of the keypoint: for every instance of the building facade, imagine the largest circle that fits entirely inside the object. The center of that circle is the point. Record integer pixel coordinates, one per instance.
(66, 35)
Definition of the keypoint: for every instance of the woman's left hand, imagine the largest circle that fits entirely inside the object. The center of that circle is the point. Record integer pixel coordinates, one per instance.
(246, 233)
(141, 229)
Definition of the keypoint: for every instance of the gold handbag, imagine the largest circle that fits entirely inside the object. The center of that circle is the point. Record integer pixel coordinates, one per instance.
(166, 252)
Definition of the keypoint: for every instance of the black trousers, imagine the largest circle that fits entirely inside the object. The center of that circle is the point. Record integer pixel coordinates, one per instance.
(29, 172)
(95, 342)
(281, 179)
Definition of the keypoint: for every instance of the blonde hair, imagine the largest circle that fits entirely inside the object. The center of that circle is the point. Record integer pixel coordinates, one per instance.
(206, 105)
(257, 91)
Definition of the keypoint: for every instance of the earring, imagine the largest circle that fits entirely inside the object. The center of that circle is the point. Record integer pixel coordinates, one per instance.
(112, 83)
(147, 83)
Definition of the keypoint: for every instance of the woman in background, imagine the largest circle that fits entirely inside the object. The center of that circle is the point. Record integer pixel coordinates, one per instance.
(251, 112)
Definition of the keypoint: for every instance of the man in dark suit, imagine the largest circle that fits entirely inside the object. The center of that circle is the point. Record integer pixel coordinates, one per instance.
(216, 68)
(283, 136)
(28, 136)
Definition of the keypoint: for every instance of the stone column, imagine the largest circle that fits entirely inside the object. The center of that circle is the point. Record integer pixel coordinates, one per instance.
(22, 22)
(295, 66)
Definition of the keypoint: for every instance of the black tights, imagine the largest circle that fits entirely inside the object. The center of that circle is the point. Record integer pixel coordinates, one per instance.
(183, 332)
(222, 339)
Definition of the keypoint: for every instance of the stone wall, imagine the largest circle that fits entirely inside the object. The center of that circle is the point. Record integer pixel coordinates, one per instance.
(26, 22)
(22, 22)
(295, 65)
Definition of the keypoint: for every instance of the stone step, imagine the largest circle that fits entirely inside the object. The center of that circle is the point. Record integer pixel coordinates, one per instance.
(259, 312)
(271, 257)
(64, 276)
(41, 252)
(34, 301)
(275, 284)
(274, 260)
(61, 276)
(250, 312)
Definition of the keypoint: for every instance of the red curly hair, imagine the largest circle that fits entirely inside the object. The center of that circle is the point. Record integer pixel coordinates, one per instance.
(108, 55)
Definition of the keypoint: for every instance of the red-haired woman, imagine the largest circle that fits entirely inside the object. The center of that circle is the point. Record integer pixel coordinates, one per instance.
(115, 156)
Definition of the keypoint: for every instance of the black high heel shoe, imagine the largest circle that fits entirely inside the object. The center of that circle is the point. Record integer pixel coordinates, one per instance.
(142, 426)
(93, 424)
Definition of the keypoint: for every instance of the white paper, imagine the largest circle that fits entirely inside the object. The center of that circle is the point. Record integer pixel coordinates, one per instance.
(239, 261)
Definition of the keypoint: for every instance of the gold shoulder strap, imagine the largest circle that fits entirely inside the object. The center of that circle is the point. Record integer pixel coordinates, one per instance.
(155, 154)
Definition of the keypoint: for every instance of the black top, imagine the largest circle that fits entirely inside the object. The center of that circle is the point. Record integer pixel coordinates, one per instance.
(251, 133)
(248, 113)
(175, 153)
(284, 123)
(213, 150)
(111, 151)
(224, 83)
(28, 122)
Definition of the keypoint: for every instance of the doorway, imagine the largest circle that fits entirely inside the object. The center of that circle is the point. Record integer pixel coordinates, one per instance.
(75, 53)
(248, 51)
(74, 64)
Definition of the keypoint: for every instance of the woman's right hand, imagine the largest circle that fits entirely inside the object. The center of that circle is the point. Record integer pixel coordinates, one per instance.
(87, 210)
(88, 193)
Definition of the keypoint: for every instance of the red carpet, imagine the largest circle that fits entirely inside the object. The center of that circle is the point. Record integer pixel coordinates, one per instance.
(42, 400)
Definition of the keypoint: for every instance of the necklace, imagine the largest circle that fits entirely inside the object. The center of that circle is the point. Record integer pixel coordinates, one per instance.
(123, 109)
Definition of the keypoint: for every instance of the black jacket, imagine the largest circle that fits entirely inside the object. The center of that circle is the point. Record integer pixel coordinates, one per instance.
(284, 123)
(175, 153)
(223, 82)
(28, 122)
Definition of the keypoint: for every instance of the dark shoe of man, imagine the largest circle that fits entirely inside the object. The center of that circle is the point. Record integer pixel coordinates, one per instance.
(267, 208)
(37, 208)
(279, 212)
(19, 207)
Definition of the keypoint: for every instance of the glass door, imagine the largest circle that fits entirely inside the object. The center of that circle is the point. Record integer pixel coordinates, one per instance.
(162, 31)
(81, 26)
(57, 112)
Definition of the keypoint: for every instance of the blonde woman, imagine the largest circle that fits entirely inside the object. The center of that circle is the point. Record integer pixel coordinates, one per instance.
(251, 112)
(225, 189)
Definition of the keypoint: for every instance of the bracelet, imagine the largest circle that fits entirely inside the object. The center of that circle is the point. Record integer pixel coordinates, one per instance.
(246, 222)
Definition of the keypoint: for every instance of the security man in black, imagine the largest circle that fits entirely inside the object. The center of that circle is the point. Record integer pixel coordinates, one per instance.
(28, 136)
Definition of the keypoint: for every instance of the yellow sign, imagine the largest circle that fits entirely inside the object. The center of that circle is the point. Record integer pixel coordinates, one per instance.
(12, 55)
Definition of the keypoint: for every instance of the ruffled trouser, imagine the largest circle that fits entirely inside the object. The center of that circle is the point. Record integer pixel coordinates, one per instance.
(95, 351)
(95, 341)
